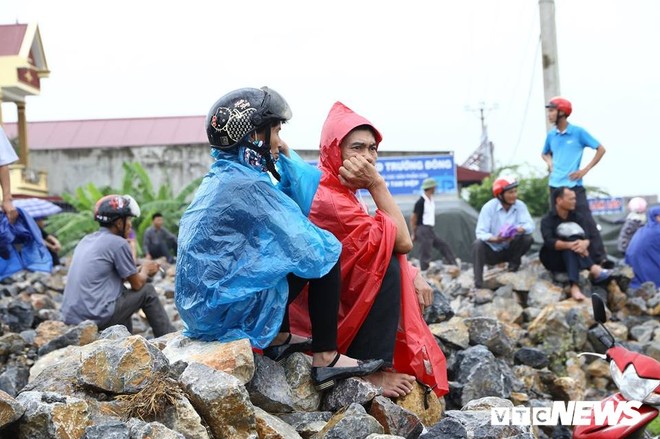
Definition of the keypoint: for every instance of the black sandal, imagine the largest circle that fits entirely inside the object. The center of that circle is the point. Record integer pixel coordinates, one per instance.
(282, 351)
(327, 376)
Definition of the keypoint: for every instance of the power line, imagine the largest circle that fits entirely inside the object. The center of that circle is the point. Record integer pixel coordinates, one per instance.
(529, 95)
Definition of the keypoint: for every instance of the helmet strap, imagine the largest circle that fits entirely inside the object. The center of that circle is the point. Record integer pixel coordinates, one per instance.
(501, 198)
(264, 150)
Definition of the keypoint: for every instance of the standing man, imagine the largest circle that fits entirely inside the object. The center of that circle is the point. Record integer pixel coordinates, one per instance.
(101, 262)
(158, 241)
(562, 152)
(422, 222)
(504, 230)
(7, 157)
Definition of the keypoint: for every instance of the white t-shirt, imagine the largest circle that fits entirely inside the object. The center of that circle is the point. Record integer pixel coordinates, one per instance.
(428, 219)
(7, 153)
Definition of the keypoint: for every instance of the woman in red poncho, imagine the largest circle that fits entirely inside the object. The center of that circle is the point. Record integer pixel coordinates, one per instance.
(379, 315)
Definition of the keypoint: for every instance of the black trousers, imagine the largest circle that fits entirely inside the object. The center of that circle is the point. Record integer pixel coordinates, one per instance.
(146, 299)
(596, 246)
(376, 337)
(565, 261)
(160, 249)
(483, 255)
(427, 239)
(323, 307)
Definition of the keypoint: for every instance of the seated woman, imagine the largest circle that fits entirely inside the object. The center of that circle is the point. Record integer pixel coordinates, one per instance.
(247, 248)
(381, 292)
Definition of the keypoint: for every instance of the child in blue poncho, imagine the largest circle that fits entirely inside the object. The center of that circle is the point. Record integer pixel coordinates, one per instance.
(247, 249)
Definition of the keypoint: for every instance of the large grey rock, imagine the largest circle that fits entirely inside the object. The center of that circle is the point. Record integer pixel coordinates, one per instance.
(221, 400)
(269, 388)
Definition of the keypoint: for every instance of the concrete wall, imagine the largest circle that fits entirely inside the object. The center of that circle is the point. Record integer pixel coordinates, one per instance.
(69, 169)
(177, 165)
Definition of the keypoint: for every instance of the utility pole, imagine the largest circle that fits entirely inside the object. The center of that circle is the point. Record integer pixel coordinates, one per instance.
(483, 158)
(549, 57)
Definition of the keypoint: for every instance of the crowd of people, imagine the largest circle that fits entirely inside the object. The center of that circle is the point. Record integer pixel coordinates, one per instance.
(286, 254)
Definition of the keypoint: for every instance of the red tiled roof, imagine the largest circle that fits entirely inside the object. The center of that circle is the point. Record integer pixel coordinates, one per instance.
(11, 38)
(467, 175)
(113, 133)
(149, 131)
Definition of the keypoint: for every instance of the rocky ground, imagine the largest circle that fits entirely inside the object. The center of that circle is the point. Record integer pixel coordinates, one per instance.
(513, 343)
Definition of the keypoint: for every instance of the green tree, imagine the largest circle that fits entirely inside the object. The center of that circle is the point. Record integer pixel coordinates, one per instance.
(70, 227)
(532, 189)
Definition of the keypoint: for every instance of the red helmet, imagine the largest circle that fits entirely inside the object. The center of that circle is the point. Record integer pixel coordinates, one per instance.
(503, 184)
(561, 104)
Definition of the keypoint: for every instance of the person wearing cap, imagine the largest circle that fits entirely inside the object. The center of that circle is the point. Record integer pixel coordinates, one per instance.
(562, 152)
(422, 222)
(504, 230)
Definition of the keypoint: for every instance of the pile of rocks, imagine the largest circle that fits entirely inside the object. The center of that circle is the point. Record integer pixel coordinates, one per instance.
(513, 343)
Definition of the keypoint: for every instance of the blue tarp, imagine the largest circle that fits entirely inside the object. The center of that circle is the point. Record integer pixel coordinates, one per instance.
(22, 247)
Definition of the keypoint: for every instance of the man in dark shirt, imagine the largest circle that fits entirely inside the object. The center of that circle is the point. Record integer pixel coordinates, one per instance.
(157, 241)
(422, 222)
(566, 244)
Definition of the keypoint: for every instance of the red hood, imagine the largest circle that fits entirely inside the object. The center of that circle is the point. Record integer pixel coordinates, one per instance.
(341, 120)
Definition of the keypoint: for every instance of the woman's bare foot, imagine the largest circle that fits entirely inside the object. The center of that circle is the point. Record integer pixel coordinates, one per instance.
(393, 384)
(576, 293)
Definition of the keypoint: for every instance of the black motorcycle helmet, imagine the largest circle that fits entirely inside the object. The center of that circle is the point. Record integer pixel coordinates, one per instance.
(241, 112)
(112, 207)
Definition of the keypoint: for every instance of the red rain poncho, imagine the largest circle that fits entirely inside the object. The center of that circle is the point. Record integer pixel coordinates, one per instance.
(367, 246)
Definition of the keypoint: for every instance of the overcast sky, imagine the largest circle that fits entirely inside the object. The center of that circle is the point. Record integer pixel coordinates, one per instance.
(418, 70)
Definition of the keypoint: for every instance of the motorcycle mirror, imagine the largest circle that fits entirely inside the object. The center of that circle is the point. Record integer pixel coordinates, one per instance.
(599, 308)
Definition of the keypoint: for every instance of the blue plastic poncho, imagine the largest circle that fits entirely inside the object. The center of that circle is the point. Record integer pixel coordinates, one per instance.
(643, 253)
(22, 246)
(238, 240)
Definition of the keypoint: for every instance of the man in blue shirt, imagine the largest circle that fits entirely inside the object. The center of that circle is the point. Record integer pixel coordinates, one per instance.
(562, 152)
(504, 230)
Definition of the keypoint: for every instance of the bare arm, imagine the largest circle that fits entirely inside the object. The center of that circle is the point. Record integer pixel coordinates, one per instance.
(7, 202)
(600, 152)
(413, 225)
(385, 202)
(137, 280)
(146, 241)
(357, 173)
(53, 243)
(547, 158)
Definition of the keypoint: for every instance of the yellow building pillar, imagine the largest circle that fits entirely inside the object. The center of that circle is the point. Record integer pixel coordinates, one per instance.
(23, 152)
